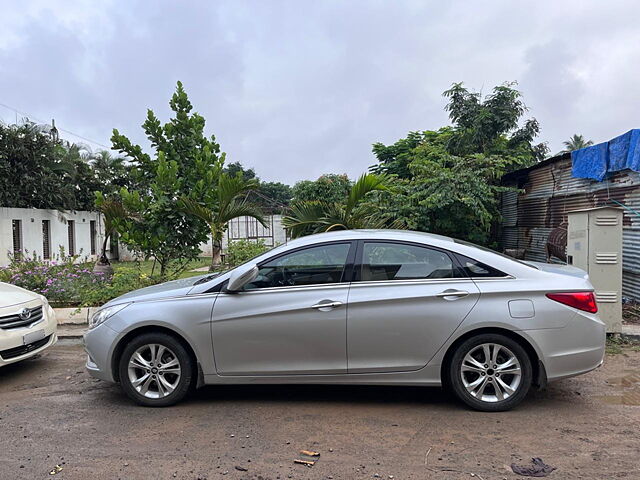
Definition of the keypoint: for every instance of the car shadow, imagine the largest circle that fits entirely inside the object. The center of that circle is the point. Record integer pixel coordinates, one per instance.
(25, 367)
(363, 394)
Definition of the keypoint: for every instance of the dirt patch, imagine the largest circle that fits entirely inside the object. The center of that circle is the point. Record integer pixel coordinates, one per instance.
(54, 414)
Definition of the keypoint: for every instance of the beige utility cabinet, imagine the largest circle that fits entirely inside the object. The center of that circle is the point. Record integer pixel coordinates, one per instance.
(594, 244)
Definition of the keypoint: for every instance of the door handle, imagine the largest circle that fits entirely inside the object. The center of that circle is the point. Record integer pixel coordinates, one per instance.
(326, 305)
(453, 293)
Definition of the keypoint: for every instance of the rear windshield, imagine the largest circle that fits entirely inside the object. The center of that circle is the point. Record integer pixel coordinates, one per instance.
(485, 249)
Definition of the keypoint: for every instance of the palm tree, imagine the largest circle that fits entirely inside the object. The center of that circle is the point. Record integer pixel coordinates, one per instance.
(112, 210)
(227, 202)
(576, 142)
(317, 216)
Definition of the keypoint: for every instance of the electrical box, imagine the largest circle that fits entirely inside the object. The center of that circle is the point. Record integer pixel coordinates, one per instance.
(594, 244)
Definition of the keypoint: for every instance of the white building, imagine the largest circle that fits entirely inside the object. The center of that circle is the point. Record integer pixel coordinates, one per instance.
(45, 232)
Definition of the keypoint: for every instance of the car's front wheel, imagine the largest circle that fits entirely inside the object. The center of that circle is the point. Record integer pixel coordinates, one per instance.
(490, 372)
(155, 370)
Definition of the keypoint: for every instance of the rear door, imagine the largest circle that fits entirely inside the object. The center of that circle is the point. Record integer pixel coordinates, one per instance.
(406, 300)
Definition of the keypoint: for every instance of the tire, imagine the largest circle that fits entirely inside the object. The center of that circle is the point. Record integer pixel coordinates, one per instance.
(482, 386)
(156, 370)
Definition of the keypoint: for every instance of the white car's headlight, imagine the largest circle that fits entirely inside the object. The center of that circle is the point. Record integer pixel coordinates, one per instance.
(104, 313)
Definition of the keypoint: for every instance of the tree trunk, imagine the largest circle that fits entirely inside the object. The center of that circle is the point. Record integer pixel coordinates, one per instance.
(103, 260)
(216, 250)
(103, 265)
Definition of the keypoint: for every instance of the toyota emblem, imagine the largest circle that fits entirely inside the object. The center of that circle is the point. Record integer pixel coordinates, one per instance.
(25, 314)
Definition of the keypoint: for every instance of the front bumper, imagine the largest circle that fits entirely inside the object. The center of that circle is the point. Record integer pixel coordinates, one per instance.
(12, 339)
(98, 343)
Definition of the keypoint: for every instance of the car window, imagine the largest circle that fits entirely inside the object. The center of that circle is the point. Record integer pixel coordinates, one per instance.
(394, 261)
(476, 269)
(311, 266)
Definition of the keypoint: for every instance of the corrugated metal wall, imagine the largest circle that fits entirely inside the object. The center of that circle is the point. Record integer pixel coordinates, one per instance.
(550, 192)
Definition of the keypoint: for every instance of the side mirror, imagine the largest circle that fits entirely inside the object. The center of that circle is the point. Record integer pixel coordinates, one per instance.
(241, 277)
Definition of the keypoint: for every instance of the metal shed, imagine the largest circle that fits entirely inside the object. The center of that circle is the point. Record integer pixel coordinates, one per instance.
(549, 191)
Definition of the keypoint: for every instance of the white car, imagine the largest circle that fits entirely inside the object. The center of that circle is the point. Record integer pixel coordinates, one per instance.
(27, 324)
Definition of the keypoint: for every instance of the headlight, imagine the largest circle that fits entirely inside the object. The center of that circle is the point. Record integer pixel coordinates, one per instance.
(104, 313)
(47, 309)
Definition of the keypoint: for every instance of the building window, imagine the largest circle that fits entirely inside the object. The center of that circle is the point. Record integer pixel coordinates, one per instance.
(17, 237)
(46, 239)
(71, 233)
(92, 233)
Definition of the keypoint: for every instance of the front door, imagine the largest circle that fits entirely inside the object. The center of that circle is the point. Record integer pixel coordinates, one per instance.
(407, 301)
(290, 320)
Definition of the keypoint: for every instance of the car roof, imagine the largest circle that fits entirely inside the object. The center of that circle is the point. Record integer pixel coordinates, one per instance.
(371, 234)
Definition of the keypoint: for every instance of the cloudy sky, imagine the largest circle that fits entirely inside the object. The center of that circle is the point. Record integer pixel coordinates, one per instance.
(298, 88)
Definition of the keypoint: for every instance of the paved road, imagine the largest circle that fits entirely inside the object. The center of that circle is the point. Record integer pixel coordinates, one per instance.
(52, 413)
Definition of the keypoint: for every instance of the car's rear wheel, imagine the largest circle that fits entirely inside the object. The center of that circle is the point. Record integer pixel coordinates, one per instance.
(155, 370)
(490, 372)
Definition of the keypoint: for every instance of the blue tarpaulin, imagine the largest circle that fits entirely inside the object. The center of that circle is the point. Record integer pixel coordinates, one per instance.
(620, 153)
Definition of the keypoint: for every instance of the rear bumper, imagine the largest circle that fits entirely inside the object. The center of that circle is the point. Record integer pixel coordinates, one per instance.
(572, 350)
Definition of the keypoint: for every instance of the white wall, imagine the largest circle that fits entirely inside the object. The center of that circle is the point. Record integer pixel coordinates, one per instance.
(32, 240)
(240, 228)
(246, 228)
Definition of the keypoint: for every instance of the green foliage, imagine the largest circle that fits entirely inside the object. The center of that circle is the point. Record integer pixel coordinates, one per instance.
(240, 251)
(493, 124)
(234, 169)
(448, 181)
(223, 202)
(350, 212)
(329, 188)
(38, 170)
(576, 142)
(113, 211)
(186, 164)
(122, 281)
(272, 197)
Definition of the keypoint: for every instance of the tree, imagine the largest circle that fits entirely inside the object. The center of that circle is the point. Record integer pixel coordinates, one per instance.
(329, 187)
(448, 194)
(493, 124)
(349, 212)
(448, 181)
(226, 202)
(39, 170)
(112, 171)
(274, 197)
(576, 142)
(235, 168)
(112, 211)
(185, 165)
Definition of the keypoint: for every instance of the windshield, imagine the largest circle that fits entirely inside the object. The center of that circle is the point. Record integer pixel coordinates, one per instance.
(221, 272)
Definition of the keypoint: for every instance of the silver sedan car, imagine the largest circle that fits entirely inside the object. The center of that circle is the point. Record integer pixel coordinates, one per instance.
(376, 307)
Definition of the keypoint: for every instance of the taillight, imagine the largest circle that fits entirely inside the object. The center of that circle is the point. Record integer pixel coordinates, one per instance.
(585, 301)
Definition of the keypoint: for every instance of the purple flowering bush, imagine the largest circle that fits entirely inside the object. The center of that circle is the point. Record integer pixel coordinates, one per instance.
(68, 284)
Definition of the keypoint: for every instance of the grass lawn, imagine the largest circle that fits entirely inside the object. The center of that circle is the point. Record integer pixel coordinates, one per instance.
(147, 265)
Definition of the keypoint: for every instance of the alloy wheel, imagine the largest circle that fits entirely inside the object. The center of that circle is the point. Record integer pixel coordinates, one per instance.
(491, 372)
(154, 371)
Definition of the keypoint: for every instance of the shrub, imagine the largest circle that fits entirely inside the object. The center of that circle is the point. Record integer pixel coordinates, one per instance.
(69, 284)
(124, 280)
(239, 251)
